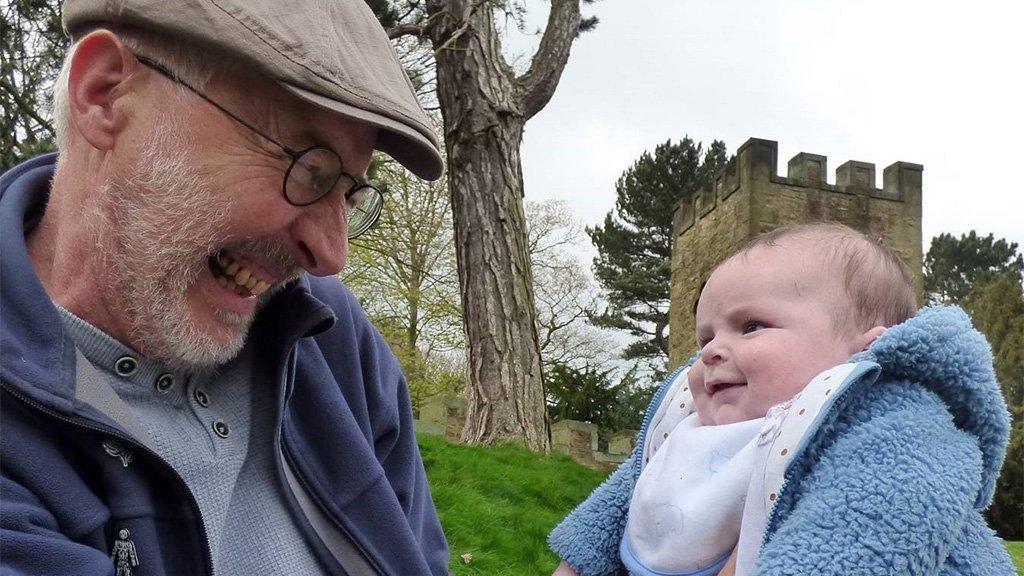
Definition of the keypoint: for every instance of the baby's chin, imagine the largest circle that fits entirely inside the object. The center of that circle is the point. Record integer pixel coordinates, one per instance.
(711, 413)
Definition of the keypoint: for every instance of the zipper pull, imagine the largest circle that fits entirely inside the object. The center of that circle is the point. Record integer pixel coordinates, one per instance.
(115, 449)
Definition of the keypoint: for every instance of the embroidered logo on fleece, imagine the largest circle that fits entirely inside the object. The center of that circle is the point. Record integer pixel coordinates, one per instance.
(123, 554)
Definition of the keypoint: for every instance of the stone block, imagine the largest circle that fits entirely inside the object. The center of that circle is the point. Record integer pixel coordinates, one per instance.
(707, 200)
(684, 216)
(621, 443)
(855, 174)
(807, 168)
(902, 181)
(447, 413)
(577, 439)
(758, 159)
(730, 179)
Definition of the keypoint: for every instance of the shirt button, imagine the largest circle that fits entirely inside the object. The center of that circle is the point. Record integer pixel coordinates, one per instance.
(126, 366)
(201, 397)
(221, 429)
(164, 382)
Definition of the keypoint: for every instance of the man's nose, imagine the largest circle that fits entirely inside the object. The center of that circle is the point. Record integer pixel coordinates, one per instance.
(321, 236)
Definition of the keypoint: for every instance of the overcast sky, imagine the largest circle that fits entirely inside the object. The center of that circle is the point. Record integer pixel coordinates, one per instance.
(935, 83)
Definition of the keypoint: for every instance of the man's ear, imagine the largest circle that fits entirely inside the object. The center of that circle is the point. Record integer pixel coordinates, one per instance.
(869, 337)
(100, 66)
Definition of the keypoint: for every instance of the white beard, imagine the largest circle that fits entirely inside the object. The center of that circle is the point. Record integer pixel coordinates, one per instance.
(164, 218)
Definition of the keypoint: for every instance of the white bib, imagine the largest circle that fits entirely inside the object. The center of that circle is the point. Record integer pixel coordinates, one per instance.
(685, 514)
(655, 532)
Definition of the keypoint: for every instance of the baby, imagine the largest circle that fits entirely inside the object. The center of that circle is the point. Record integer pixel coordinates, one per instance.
(775, 452)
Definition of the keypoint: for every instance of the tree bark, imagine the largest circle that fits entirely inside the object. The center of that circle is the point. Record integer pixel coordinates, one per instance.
(485, 107)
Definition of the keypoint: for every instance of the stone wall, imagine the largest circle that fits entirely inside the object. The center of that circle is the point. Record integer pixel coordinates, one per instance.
(445, 416)
(749, 198)
(442, 416)
(579, 440)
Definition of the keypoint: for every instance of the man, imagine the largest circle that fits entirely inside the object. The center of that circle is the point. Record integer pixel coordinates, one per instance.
(187, 387)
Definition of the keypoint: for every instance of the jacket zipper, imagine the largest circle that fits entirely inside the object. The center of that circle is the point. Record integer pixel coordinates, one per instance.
(659, 397)
(129, 441)
(773, 515)
(283, 454)
(316, 500)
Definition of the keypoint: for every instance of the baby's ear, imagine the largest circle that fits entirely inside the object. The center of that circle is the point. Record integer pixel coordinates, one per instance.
(869, 337)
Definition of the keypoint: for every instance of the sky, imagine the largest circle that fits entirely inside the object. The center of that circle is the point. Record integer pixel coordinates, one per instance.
(926, 82)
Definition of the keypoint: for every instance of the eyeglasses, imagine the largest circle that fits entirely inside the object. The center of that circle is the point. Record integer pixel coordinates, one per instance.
(313, 173)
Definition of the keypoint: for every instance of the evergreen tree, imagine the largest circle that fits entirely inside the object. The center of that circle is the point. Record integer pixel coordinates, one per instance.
(32, 44)
(591, 394)
(997, 309)
(954, 265)
(634, 243)
(984, 276)
(585, 394)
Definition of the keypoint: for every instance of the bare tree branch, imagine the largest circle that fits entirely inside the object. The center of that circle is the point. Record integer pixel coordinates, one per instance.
(25, 107)
(406, 30)
(539, 82)
(413, 7)
(467, 21)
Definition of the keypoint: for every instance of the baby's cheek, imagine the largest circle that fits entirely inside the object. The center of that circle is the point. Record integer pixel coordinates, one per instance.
(700, 395)
(696, 377)
(705, 412)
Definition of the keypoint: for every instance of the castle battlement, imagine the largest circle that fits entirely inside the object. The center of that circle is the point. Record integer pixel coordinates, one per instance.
(758, 159)
(750, 197)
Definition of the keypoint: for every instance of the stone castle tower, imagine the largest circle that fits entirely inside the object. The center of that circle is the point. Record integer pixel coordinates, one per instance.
(749, 198)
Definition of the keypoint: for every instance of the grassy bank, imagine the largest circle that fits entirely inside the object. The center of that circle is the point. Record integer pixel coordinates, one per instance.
(1017, 553)
(498, 504)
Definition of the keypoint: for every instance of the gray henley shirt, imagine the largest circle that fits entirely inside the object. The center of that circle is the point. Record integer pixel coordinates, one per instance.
(217, 431)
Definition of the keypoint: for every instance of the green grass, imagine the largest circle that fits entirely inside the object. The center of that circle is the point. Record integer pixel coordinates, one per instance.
(1017, 553)
(499, 504)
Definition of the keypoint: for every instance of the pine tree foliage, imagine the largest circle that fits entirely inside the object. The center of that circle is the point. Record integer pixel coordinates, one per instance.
(953, 266)
(32, 45)
(986, 277)
(584, 394)
(634, 242)
(997, 309)
(591, 394)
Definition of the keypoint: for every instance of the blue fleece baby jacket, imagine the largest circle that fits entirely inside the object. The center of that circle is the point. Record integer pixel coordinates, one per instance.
(892, 480)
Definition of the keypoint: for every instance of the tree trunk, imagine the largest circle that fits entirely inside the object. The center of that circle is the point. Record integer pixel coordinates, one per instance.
(485, 108)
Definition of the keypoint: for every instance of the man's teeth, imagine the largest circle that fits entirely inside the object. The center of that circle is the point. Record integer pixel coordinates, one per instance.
(236, 277)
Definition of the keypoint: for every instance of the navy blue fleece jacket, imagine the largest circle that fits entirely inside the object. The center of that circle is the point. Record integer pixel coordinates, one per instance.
(345, 429)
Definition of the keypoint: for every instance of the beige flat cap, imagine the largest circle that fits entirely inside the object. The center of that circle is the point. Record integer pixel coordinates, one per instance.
(331, 53)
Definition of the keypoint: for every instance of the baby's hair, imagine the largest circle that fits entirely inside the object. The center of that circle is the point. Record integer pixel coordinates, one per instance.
(880, 289)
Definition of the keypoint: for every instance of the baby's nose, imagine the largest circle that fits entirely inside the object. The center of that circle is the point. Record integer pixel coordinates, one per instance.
(712, 353)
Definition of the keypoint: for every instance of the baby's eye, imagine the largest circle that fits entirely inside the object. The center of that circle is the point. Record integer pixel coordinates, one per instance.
(752, 327)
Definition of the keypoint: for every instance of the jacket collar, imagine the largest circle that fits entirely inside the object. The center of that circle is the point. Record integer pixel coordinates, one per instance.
(940, 349)
(36, 356)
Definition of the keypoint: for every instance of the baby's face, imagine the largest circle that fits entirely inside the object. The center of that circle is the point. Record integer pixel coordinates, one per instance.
(765, 327)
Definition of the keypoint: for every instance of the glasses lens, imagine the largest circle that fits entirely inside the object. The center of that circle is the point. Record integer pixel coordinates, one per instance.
(364, 206)
(312, 175)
